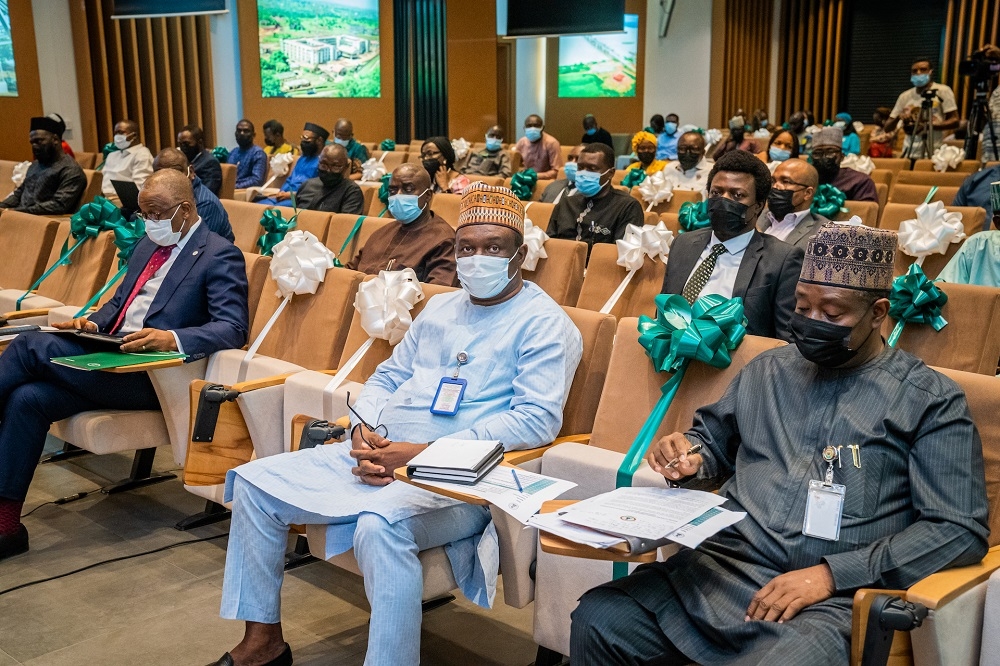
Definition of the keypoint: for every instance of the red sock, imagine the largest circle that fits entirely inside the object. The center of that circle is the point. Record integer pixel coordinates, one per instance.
(10, 516)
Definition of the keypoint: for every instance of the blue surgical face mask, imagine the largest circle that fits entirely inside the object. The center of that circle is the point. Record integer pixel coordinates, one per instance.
(483, 277)
(670, 128)
(920, 80)
(405, 207)
(341, 142)
(591, 132)
(589, 182)
(778, 154)
(570, 169)
(533, 133)
(493, 143)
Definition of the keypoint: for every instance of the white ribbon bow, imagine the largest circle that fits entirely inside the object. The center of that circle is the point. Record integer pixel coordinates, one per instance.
(461, 147)
(281, 165)
(373, 170)
(947, 157)
(20, 171)
(812, 129)
(534, 238)
(933, 230)
(762, 133)
(384, 305)
(859, 126)
(637, 244)
(298, 266)
(861, 163)
(656, 189)
(712, 137)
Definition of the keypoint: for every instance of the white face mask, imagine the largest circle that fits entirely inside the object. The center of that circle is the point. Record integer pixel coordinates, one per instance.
(483, 277)
(121, 141)
(162, 232)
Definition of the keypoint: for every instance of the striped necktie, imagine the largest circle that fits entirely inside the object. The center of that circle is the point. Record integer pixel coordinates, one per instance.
(701, 275)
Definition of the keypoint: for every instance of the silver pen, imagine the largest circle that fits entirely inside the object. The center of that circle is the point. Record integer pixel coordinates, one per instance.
(690, 452)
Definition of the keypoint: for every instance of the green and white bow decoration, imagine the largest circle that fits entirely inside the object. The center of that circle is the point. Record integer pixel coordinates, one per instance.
(931, 232)
(373, 170)
(634, 177)
(461, 147)
(693, 216)
(915, 300)
(387, 144)
(275, 228)
(828, 201)
(656, 189)
(220, 153)
(127, 236)
(522, 183)
(651, 241)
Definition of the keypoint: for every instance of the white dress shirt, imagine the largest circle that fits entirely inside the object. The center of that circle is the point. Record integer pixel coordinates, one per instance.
(135, 163)
(695, 180)
(780, 230)
(726, 266)
(135, 316)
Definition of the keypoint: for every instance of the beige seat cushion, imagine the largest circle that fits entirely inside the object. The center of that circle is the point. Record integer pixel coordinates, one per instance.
(113, 430)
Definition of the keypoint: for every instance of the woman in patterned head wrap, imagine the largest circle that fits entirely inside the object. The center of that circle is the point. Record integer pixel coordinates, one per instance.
(644, 147)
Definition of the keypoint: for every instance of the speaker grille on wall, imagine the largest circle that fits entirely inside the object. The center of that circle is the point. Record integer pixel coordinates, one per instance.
(150, 8)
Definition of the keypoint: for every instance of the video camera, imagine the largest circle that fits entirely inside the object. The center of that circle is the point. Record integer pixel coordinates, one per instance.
(979, 67)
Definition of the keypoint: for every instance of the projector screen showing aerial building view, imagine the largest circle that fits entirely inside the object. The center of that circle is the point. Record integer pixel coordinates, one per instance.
(601, 65)
(319, 48)
(8, 76)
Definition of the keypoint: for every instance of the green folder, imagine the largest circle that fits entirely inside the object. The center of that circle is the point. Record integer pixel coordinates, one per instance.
(113, 359)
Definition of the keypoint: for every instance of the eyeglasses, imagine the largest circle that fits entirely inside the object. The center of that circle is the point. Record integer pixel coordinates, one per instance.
(146, 217)
(361, 421)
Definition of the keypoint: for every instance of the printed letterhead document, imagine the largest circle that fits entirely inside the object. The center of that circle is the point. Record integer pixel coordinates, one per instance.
(646, 513)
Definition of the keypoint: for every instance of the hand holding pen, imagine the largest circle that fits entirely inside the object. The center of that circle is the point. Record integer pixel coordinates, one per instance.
(674, 457)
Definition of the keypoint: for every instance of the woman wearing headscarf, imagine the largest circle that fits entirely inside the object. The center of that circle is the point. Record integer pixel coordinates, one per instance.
(851, 143)
(644, 147)
(438, 157)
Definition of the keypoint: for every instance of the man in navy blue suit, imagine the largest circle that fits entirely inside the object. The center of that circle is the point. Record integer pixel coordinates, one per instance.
(185, 290)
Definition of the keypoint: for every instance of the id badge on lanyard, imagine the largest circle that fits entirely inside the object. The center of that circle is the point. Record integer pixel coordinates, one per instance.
(448, 398)
(825, 502)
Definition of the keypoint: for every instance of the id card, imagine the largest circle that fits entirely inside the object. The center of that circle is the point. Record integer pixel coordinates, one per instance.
(448, 396)
(824, 508)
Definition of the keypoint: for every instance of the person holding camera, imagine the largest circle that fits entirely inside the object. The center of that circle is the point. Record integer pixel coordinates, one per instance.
(908, 108)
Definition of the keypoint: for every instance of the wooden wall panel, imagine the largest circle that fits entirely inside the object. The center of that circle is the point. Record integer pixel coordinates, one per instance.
(970, 24)
(811, 52)
(18, 111)
(472, 69)
(741, 61)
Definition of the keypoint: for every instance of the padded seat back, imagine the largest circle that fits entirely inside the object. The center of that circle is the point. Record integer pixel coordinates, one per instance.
(622, 411)
(93, 188)
(679, 198)
(539, 213)
(87, 271)
(866, 210)
(340, 228)
(971, 340)
(489, 180)
(894, 164)
(314, 221)
(86, 160)
(228, 187)
(312, 329)
(258, 269)
(882, 176)
(598, 333)
(672, 222)
(946, 179)
(6, 173)
(369, 227)
(915, 194)
(244, 218)
(445, 206)
(604, 275)
(965, 166)
(27, 243)
(894, 215)
(560, 275)
(392, 159)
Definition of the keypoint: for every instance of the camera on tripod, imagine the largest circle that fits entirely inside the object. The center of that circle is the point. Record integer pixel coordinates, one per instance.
(979, 66)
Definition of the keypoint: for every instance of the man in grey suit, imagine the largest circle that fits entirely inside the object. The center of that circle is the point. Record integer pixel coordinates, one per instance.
(856, 464)
(732, 258)
(788, 217)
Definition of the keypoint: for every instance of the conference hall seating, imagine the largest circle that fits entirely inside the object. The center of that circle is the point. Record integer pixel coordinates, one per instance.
(965, 167)
(917, 194)
(27, 242)
(677, 199)
(894, 215)
(604, 275)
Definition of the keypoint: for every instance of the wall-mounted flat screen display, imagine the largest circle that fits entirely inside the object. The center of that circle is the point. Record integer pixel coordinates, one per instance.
(147, 8)
(8, 77)
(600, 65)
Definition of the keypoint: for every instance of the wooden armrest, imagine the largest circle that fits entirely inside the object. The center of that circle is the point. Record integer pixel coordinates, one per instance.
(262, 383)
(524, 455)
(146, 367)
(938, 589)
(24, 314)
(401, 475)
(578, 439)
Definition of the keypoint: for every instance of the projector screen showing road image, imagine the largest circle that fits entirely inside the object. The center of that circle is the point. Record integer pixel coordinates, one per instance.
(601, 65)
(319, 48)
(8, 77)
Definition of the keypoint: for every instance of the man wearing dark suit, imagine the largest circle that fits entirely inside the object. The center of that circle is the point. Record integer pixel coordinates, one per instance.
(185, 290)
(788, 216)
(731, 258)
(191, 142)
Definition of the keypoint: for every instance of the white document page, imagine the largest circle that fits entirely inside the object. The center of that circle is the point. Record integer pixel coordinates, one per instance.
(553, 524)
(711, 522)
(647, 513)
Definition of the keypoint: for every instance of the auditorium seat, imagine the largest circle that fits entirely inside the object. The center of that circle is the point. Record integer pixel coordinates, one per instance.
(27, 243)
(971, 340)
(561, 274)
(244, 218)
(678, 198)
(489, 180)
(866, 210)
(369, 193)
(315, 222)
(446, 206)
(242, 194)
(228, 188)
(927, 177)
(618, 177)
(393, 158)
(86, 160)
(894, 215)
(516, 160)
(6, 173)
(560, 581)
(536, 193)
(882, 191)
(370, 226)
(966, 166)
(916, 194)
(894, 164)
(672, 222)
(340, 227)
(93, 188)
(517, 544)
(883, 176)
(604, 275)
(539, 213)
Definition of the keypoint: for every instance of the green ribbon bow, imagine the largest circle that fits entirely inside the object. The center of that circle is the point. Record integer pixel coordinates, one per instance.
(220, 153)
(108, 148)
(127, 236)
(347, 241)
(915, 299)
(827, 123)
(88, 222)
(383, 193)
(693, 216)
(706, 331)
(522, 183)
(634, 177)
(387, 144)
(828, 201)
(275, 228)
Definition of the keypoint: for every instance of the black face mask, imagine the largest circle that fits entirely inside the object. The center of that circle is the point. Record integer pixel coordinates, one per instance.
(244, 141)
(827, 167)
(190, 152)
(432, 167)
(44, 154)
(308, 148)
(728, 217)
(779, 202)
(646, 158)
(330, 178)
(688, 161)
(823, 343)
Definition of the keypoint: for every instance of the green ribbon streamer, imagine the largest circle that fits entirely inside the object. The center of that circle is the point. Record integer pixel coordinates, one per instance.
(522, 184)
(706, 331)
(915, 299)
(930, 195)
(828, 201)
(634, 177)
(220, 153)
(127, 236)
(275, 228)
(347, 241)
(93, 218)
(693, 216)
(387, 144)
(383, 190)
(108, 148)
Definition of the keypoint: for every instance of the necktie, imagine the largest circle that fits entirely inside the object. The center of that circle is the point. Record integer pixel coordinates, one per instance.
(702, 274)
(156, 261)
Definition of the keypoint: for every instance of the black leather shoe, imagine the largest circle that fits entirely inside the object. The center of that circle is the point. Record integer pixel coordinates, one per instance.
(283, 659)
(15, 544)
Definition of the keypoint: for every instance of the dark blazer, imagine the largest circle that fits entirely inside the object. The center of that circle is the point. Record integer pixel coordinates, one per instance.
(765, 281)
(208, 169)
(803, 231)
(203, 297)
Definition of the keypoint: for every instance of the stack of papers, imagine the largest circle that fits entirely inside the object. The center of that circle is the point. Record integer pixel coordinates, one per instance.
(462, 461)
(641, 518)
